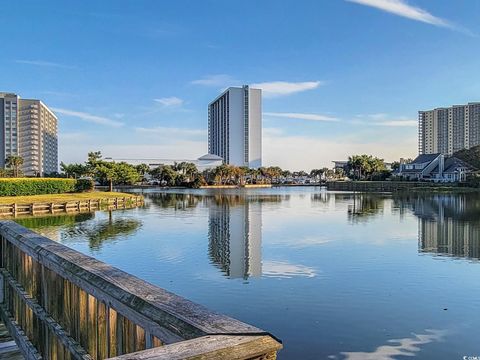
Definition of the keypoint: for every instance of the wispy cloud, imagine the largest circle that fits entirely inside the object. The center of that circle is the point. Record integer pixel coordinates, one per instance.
(45, 63)
(282, 88)
(382, 119)
(170, 101)
(301, 116)
(172, 131)
(402, 8)
(218, 80)
(88, 117)
(396, 123)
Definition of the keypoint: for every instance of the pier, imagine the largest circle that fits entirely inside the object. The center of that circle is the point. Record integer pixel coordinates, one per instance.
(58, 303)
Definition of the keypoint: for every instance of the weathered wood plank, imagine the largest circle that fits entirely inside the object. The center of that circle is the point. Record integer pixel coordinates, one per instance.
(212, 347)
(47, 320)
(18, 335)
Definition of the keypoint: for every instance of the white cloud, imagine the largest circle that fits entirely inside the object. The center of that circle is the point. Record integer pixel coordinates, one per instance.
(301, 116)
(44, 63)
(382, 119)
(170, 101)
(219, 80)
(88, 117)
(402, 8)
(378, 116)
(396, 123)
(172, 131)
(282, 88)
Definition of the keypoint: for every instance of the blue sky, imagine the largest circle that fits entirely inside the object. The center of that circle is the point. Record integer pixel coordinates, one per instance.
(133, 78)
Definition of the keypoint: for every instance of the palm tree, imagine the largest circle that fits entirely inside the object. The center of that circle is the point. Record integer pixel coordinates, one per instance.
(14, 162)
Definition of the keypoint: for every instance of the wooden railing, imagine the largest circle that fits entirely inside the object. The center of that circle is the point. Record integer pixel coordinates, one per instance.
(14, 210)
(60, 304)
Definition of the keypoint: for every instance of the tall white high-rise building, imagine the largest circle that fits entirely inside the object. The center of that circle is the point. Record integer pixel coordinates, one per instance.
(28, 128)
(448, 130)
(235, 126)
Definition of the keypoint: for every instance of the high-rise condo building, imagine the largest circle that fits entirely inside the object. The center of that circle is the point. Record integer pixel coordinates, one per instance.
(447, 130)
(28, 128)
(235, 126)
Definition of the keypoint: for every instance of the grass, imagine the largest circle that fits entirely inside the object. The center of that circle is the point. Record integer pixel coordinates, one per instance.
(61, 198)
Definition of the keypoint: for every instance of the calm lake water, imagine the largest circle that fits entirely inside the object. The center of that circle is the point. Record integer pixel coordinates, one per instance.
(335, 276)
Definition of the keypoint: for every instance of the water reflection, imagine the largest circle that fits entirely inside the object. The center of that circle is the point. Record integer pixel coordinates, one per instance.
(49, 226)
(397, 347)
(448, 224)
(101, 232)
(235, 238)
(79, 227)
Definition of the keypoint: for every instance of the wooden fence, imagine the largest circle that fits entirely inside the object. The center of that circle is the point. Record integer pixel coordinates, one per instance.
(14, 210)
(60, 304)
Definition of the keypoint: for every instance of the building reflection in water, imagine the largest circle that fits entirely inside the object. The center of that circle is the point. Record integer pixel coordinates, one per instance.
(235, 234)
(448, 224)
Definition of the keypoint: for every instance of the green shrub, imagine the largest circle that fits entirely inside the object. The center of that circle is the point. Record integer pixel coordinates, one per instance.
(35, 186)
(84, 185)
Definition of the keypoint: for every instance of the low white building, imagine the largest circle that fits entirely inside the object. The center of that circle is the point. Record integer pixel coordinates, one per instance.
(205, 162)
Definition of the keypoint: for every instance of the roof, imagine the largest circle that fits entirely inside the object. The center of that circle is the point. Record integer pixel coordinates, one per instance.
(452, 164)
(424, 158)
(210, 157)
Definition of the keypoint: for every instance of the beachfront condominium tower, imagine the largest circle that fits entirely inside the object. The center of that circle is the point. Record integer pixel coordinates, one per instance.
(28, 128)
(235, 126)
(447, 130)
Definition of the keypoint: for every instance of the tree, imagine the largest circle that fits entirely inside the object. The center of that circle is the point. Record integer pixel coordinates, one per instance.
(93, 160)
(14, 162)
(316, 174)
(105, 172)
(274, 172)
(74, 170)
(190, 171)
(125, 173)
(142, 169)
(165, 174)
(365, 166)
(223, 173)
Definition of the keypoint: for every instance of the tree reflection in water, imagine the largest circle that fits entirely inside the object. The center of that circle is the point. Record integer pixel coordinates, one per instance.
(78, 227)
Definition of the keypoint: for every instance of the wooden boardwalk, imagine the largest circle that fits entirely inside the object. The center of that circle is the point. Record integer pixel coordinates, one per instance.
(60, 304)
(8, 348)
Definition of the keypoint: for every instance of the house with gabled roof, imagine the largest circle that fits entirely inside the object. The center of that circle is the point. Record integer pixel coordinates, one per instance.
(436, 168)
